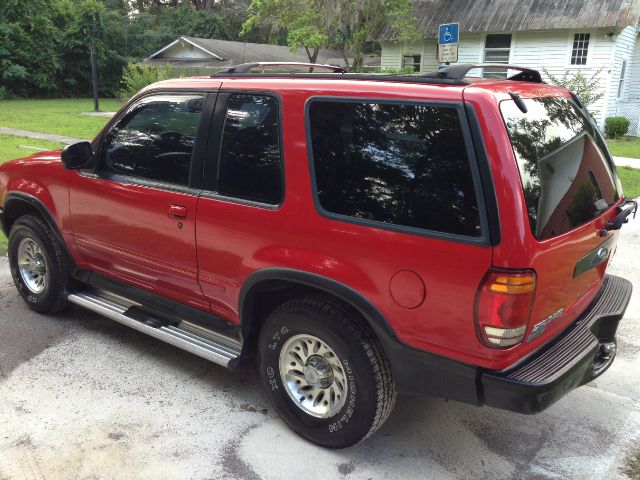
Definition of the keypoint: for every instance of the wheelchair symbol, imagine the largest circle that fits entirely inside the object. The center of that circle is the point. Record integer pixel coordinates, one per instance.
(447, 35)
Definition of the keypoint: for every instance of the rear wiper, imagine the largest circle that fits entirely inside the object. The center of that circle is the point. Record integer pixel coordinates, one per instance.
(627, 208)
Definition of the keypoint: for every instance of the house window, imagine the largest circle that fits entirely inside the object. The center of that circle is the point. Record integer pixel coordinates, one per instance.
(497, 48)
(623, 73)
(411, 61)
(580, 48)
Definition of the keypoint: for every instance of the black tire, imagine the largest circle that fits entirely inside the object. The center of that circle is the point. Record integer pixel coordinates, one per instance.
(371, 390)
(53, 298)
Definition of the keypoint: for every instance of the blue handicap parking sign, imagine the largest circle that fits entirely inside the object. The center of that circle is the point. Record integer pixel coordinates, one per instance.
(449, 33)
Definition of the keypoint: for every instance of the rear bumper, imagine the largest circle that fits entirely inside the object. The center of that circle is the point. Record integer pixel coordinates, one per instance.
(574, 358)
(536, 382)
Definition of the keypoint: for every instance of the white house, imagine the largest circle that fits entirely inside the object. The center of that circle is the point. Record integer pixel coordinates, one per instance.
(595, 37)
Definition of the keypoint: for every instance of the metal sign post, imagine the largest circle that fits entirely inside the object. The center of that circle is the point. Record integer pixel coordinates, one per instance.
(448, 40)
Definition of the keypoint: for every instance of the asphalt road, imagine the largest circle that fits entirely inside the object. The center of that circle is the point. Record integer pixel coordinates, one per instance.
(82, 397)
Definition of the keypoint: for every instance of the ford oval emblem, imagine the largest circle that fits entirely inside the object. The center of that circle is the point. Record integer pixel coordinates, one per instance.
(602, 253)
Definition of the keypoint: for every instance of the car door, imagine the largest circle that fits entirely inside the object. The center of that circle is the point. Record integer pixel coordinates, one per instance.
(243, 189)
(133, 218)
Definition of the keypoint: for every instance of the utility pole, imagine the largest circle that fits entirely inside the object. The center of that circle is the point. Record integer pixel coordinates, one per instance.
(94, 76)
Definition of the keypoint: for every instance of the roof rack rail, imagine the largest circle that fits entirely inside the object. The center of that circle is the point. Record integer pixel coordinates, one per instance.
(458, 72)
(247, 67)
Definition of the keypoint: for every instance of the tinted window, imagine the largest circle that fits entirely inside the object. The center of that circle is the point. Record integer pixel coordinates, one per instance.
(155, 141)
(398, 164)
(250, 150)
(566, 177)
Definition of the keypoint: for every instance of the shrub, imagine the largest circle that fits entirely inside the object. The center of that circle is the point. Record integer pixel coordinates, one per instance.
(616, 127)
(587, 88)
(137, 76)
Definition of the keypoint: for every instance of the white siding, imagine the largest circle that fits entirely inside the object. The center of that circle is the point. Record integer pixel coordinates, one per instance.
(471, 48)
(392, 53)
(628, 104)
(391, 56)
(551, 51)
(633, 80)
(537, 49)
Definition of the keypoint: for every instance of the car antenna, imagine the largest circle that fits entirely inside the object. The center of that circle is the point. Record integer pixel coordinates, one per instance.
(519, 102)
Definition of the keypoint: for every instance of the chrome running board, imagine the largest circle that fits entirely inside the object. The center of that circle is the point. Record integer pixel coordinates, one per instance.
(197, 340)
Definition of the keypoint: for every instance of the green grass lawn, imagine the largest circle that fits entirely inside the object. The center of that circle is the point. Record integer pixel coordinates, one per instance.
(626, 147)
(60, 116)
(630, 178)
(10, 146)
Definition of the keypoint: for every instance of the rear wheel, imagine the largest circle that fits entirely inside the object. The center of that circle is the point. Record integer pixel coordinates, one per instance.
(325, 372)
(37, 265)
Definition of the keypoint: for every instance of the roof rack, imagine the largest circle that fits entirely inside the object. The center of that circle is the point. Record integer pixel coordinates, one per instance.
(458, 72)
(247, 67)
(452, 75)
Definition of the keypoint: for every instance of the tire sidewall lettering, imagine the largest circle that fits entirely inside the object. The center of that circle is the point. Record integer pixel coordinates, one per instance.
(350, 406)
(277, 337)
(275, 340)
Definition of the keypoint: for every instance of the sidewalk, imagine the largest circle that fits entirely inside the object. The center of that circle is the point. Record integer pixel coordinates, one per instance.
(39, 135)
(627, 162)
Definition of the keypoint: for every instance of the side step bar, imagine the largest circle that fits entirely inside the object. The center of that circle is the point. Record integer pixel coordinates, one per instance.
(222, 351)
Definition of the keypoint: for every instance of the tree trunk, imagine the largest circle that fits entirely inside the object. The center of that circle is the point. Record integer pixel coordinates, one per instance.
(206, 5)
(312, 55)
(343, 52)
(94, 76)
(358, 61)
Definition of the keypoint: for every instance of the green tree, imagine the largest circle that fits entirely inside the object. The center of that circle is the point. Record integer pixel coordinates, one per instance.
(44, 44)
(346, 25)
(29, 57)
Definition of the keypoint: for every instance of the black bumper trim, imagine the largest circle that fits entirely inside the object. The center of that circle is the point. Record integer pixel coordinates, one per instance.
(564, 364)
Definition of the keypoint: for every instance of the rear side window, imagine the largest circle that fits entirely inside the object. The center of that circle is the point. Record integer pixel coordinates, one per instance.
(155, 141)
(250, 164)
(398, 164)
(566, 177)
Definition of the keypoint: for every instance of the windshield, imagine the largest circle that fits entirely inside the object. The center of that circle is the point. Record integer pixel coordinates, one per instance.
(566, 175)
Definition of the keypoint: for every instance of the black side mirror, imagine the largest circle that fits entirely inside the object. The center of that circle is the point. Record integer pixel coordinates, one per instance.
(77, 156)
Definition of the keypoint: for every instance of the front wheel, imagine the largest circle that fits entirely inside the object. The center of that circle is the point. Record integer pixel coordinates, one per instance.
(37, 265)
(325, 372)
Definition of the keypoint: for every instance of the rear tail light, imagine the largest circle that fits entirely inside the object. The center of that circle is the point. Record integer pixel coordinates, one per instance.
(503, 307)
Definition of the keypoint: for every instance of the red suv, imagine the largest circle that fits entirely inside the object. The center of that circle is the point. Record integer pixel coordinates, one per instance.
(361, 235)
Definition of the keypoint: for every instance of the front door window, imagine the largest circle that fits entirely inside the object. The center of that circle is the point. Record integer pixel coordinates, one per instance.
(155, 141)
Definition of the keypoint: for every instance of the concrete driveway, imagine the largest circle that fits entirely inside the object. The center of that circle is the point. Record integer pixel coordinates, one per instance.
(82, 397)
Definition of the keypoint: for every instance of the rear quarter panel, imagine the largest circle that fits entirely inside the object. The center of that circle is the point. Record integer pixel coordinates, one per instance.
(553, 260)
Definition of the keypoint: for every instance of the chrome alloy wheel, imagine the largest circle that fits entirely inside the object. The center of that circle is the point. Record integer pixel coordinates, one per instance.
(313, 376)
(32, 265)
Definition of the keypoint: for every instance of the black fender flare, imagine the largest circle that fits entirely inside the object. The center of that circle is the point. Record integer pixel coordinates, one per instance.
(415, 371)
(15, 198)
(345, 293)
